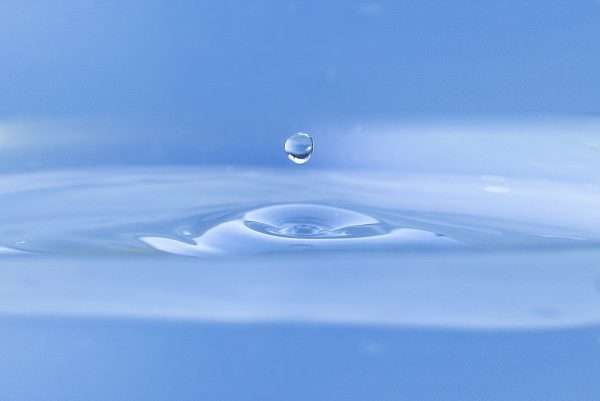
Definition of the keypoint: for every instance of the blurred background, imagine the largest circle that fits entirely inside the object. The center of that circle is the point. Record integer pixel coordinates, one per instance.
(92, 83)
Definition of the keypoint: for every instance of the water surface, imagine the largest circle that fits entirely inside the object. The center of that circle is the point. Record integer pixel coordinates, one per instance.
(394, 277)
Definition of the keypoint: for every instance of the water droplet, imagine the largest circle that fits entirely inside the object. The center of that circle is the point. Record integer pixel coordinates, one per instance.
(299, 147)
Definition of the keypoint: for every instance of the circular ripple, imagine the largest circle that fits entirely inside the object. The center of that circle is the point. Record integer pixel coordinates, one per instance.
(301, 227)
(312, 221)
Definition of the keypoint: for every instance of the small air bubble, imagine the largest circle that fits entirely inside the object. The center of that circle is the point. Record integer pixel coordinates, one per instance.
(299, 147)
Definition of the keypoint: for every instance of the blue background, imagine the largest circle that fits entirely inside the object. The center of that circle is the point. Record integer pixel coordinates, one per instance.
(201, 82)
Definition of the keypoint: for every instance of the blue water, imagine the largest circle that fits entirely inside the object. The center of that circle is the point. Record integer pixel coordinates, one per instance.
(303, 282)
(440, 241)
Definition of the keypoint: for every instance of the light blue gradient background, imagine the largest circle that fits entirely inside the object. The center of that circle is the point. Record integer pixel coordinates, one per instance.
(203, 82)
(269, 66)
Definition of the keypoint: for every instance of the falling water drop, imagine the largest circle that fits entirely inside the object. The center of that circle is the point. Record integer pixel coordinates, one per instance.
(299, 147)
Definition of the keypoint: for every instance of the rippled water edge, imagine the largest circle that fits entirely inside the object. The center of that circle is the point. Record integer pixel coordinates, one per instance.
(532, 290)
(484, 252)
(109, 212)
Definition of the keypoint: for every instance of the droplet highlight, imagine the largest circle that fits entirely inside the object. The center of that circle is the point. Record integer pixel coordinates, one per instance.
(299, 147)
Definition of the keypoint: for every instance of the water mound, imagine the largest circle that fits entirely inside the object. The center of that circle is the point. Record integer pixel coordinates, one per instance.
(291, 227)
(312, 221)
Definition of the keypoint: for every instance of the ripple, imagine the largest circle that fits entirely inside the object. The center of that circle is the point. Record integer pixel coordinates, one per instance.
(393, 240)
(312, 221)
(202, 212)
(301, 227)
(10, 251)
